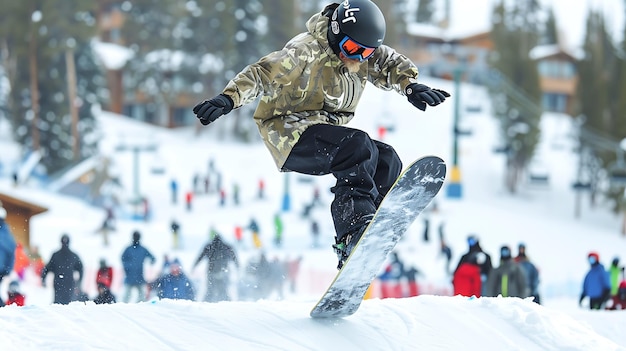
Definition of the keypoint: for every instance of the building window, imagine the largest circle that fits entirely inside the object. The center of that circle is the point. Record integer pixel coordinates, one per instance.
(557, 69)
(555, 102)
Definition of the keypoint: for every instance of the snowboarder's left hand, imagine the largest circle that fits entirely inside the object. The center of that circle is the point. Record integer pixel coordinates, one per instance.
(420, 95)
(210, 110)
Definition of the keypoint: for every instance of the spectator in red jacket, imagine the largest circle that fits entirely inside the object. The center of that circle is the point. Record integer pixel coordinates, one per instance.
(15, 297)
(105, 274)
(466, 279)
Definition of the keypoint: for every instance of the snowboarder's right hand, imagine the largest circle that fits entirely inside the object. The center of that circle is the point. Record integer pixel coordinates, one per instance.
(210, 110)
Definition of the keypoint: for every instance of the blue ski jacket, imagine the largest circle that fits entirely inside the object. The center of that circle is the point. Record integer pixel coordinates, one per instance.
(132, 260)
(7, 249)
(596, 282)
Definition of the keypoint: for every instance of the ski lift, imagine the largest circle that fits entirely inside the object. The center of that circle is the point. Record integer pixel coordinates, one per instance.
(538, 173)
(617, 175)
(581, 186)
(158, 166)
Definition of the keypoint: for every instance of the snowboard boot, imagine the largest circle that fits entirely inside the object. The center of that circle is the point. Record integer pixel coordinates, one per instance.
(343, 246)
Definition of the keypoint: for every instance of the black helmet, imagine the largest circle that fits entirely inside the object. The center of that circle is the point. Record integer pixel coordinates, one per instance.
(361, 20)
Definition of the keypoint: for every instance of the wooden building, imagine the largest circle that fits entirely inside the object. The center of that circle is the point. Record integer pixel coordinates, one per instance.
(19, 213)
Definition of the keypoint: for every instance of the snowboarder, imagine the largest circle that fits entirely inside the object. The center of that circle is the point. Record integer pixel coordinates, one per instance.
(310, 89)
(278, 230)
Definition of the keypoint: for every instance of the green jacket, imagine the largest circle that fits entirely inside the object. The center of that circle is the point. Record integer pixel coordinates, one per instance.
(306, 83)
(615, 274)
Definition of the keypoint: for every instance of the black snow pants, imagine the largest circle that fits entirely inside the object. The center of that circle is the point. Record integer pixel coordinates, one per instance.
(365, 170)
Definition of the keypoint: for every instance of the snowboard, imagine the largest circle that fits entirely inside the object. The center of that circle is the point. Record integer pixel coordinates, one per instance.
(414, 189)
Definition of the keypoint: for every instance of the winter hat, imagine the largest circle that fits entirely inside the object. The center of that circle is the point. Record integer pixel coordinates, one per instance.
(505, 252)
(136, 236)
(3, 213)
(14, 286)
(175, 267)
(65, 240)
(595, 256)
(472, 240)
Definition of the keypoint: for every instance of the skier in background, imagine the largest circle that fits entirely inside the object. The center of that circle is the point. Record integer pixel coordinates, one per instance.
(310, 89)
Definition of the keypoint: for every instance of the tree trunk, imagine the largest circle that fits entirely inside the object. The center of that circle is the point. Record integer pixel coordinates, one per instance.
(71, 93)
(34, 86)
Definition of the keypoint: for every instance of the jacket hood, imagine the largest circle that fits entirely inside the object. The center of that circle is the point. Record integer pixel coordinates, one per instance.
(317, 26)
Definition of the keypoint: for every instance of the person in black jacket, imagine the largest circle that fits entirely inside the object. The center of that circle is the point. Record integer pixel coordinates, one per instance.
(219, 254)
(104, 295)
(474, 248)
(63, 264)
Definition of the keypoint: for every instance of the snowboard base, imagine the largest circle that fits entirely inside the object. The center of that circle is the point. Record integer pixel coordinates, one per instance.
(412, 192)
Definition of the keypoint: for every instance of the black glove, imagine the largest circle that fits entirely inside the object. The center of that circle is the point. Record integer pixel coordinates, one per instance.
(420, 95)
(210, 110)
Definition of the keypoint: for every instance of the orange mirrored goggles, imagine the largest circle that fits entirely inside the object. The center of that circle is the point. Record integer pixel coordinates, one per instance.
(355, 51)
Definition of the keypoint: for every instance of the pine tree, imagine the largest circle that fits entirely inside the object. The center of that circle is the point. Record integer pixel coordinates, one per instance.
(517, 95)
(550, 35)
(425, 11)
(601, 104)
(38, 35)
(282, 22)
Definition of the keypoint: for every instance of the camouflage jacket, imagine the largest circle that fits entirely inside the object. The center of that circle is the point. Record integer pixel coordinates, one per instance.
(306, 83)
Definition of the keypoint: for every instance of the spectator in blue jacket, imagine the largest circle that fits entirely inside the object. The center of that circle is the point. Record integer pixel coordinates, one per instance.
(132, 260)
(597, 285)
(175, 284)
(7, 248)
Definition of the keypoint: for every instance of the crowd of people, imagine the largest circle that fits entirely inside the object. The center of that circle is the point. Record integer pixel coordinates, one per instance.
(475, 275)
(260, 278)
